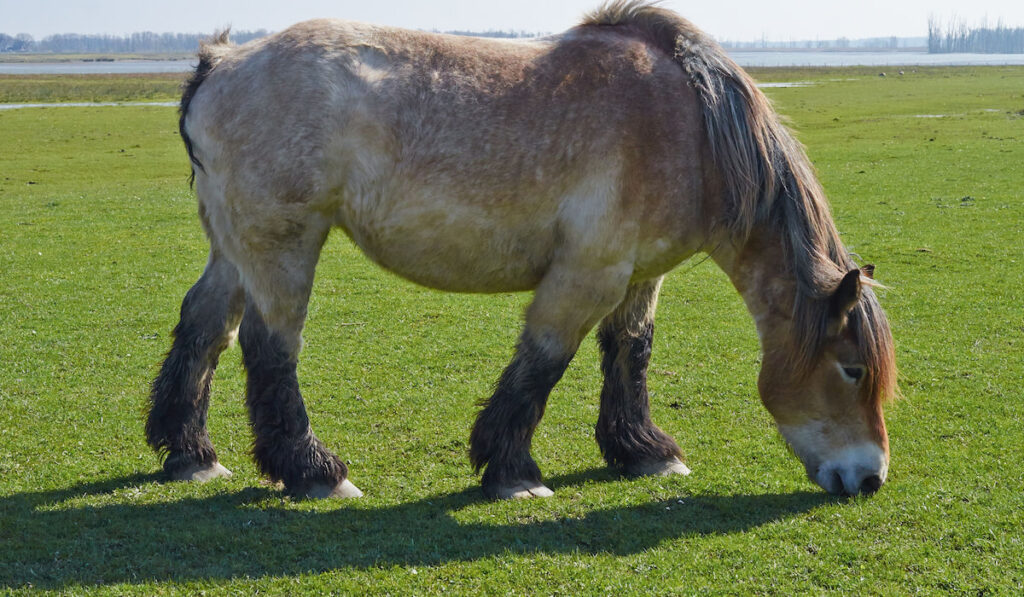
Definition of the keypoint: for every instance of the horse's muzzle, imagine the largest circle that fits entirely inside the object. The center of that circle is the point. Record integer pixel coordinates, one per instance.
(856, 480)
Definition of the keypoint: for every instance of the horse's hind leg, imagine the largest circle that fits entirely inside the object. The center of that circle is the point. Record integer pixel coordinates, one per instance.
(628, 439)
(180, 395)
(285, 447)
(566, 306)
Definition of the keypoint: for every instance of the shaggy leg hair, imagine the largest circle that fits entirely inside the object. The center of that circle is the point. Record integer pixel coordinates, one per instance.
(180, 395)
(504, 428)
(625, 433)
(285, 448)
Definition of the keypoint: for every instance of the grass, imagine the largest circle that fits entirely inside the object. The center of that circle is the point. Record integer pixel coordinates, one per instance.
(99, 241)
(90, 88)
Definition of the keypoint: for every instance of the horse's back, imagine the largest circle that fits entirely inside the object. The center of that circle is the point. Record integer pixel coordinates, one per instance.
(422, 144)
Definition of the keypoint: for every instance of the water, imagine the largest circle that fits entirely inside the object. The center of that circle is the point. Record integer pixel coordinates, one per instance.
(120, 67)
(758, 58)
(772, 58)
(762, 58)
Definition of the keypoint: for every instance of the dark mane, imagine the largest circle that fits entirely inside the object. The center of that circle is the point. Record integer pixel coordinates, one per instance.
(770, 181)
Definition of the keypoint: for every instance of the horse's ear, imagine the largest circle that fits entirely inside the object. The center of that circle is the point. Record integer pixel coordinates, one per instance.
(868, 271)
(843, 301)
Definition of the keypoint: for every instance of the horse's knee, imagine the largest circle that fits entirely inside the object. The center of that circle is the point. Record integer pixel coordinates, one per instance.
(264, 345)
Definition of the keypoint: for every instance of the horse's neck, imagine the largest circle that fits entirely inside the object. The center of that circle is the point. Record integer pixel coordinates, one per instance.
(759, 272)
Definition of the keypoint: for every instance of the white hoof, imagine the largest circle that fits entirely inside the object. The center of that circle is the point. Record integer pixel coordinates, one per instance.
(201, 473)
(345, 489)
(661, 468)
(522, 491)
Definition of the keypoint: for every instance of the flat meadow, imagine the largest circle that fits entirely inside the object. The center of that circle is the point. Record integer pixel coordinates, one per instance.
(99, 240)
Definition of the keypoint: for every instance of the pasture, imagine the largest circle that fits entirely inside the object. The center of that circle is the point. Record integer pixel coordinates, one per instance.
(99, 240)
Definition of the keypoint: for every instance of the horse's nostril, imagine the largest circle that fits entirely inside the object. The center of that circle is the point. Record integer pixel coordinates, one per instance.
(870, 484)
(837, 483)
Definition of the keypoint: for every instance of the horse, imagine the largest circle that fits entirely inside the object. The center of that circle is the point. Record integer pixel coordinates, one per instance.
(582, 166)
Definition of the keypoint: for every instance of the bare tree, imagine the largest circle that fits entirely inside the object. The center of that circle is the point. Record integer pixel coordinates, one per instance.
(957, 36)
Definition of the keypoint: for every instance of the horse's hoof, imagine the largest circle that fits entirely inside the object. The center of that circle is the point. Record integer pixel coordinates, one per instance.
(658, 468)
(201, 473)
(522, 490)
(345, 489)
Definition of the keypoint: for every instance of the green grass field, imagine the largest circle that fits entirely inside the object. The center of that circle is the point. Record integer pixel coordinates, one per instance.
(90, 88)
(99, 241)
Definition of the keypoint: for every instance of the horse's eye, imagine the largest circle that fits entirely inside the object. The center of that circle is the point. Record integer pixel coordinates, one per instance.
(853, 373)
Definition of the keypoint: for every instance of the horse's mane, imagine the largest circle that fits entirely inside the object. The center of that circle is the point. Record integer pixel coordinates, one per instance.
(769, 180)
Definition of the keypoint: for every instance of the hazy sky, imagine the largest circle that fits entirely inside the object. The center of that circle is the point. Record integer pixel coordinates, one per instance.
(725, 19)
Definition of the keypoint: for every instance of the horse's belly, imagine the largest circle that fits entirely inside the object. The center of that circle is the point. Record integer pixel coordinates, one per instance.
(456, 247)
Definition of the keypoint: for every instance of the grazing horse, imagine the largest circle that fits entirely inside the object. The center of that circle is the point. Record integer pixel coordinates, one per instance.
(582, 166)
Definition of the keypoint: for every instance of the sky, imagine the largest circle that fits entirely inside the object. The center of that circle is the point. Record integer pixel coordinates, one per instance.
(737, 20)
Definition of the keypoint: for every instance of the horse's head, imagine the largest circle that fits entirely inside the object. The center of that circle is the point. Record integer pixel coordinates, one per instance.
(824, 377)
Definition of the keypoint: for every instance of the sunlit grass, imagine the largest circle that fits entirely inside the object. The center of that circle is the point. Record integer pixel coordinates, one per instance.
(99, 241)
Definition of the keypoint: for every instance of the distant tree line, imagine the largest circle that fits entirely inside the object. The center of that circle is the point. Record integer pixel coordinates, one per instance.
(21, 42)
(957, 36)
(843, 43)
(492, 33)
(147, 42)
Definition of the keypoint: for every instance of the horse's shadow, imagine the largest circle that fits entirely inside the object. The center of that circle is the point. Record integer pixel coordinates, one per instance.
(54, 539)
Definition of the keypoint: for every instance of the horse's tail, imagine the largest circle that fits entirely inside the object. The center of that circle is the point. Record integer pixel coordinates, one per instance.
(755, 154)
(210, 53)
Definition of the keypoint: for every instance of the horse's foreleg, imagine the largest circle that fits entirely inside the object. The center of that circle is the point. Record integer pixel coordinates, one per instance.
(180, 395)
(628, 439)
(504, 428)
(566, 306)
(284, 447)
